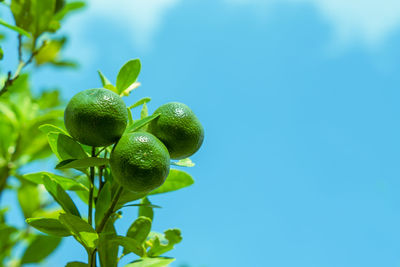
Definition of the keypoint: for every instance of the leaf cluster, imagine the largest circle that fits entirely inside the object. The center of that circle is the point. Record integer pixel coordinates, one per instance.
(89, 177)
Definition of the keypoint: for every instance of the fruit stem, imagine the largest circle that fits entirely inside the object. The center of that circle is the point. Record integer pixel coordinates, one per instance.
(90, 213)
(91, 258)
(110, 210)
(101, 171)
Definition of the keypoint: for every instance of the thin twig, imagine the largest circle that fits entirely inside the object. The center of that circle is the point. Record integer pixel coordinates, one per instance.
(101, 150)
(110, 210)
(91, 189)
(19, 47)
(21, 65)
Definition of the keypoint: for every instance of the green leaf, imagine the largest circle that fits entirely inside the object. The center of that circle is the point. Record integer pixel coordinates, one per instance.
(6, 234)
(130, 244)
(130, 118)
(65, 147)
(103, 203)
(65, 183)
(50, 99)
(108, 250)
(15, 28)
(128, 75)
(139, 230)
(49, 128)
(49, 226)
(143, 205)
(144, 113)
(176, 180)
(83, 195)
(129, 196)
(60, 196)
(184, 163)
(103, 79)
(59, 5)
(68, 8)
(9, 114)
(1, 53)
(81, 230)
(41, 247)
(152, 262)
(173, 236)
(140, 123)
(82, 163)
(145, 210)
(76, 264)
(35, 16)
(28, 198)
(49, 51)
(140, 102)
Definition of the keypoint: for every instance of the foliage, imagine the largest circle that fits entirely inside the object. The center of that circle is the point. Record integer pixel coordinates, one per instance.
(32, 129)
(105, 198)
(21, 113)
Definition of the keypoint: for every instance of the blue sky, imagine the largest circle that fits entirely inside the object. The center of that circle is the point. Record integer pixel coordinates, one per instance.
(299, 101)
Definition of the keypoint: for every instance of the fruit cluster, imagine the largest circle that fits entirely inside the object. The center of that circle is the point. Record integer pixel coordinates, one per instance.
(139, 160)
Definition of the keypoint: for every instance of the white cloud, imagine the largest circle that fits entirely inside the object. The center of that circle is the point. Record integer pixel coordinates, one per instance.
(142, 17)
(369, 21)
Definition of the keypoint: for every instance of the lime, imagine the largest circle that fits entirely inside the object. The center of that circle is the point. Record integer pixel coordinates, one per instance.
(96, 117)
(178, 128)
(139, 162)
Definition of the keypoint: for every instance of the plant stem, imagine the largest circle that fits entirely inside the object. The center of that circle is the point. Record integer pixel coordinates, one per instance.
(101, 170)
(22, 64)
(91, 189)
(110, 210)
(4, 173)
(91, 256)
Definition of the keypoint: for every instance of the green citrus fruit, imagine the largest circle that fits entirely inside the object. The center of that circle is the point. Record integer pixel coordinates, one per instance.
(96, 117)
(140, 162)
(178, 128)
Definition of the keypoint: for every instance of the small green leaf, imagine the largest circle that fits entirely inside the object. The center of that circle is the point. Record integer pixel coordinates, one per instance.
(82, 163)
(76, 264)
(151, 262)
(6, 236)
(184, 163)
(144, 113)
(1, 53)
(103, 203)
(176, 180)
(130, 118)
(139, 230)
(60, 196)
(28, 198)
(140, 123)
(128, 75)
(68, 8)
(81, 230)
(129, 196)
(143, 205)
(41, 247)
(48, 128)
(145, 210)
(108, 250)
(103, 79)
(140, 102)
(65, 147)
(65, 183)
(130, 244)
(48, 226)
(173, 236)
(15, 28)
